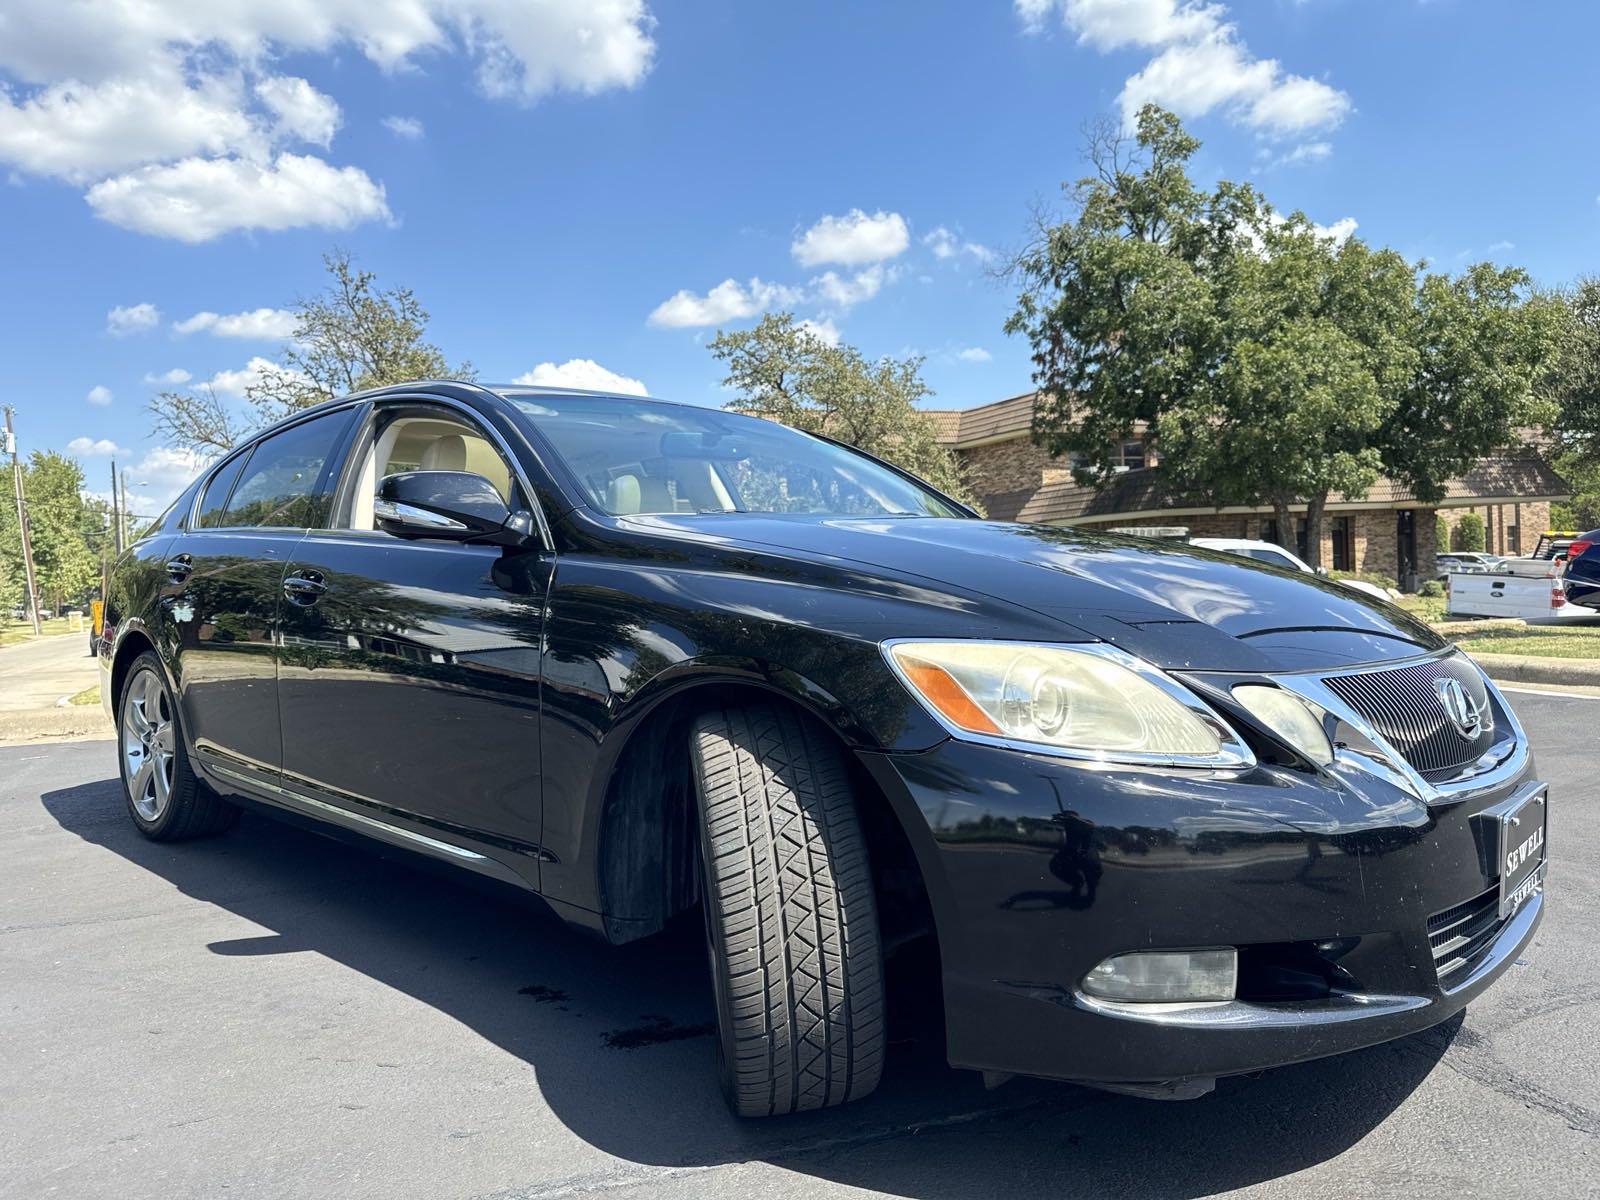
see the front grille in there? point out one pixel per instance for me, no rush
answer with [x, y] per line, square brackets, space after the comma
[1404, 706]
[1462, 935]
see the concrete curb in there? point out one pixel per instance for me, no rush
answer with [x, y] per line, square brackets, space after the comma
[50, 724]
[1579, 672]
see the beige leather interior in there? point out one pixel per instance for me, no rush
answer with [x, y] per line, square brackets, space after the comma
[426, 444]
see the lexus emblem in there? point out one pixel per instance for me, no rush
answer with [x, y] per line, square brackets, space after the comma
[1464, 712]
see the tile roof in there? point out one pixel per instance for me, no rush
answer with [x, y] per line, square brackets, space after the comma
[1517, 474]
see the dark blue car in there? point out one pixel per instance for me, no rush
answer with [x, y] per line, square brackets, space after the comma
[1583, 570]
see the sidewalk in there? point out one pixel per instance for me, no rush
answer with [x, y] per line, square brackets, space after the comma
[36, 677]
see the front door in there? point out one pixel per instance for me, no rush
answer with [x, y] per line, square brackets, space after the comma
[409, 670]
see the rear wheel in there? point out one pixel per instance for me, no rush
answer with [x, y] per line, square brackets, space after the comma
[166, 799]
[791, 921]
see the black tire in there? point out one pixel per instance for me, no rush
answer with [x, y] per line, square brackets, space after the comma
[791, 920]
[188, 809]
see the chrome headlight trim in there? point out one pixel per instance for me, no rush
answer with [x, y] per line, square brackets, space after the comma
[1234, 754]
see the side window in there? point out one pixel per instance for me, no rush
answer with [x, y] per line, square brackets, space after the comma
[435, 442]
[216, 493]
[278, 487]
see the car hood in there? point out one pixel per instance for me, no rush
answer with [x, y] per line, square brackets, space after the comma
[1174, 604]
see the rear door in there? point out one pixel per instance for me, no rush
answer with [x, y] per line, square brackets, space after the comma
[224, 590]
[409, 670]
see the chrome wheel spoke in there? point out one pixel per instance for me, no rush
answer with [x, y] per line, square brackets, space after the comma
[159, 777]
[141, 783]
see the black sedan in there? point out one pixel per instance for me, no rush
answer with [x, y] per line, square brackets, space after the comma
[1157, 814]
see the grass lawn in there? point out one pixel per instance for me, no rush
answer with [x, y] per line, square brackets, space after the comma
[23, 630]
[89, 695]
[1425, 608]
[1540, 641]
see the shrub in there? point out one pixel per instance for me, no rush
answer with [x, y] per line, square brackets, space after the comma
[1441, 532]
[1382, 581]
[1469, 532]
[1431, 588]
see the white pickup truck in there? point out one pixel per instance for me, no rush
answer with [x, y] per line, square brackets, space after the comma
[1530, 588]
[1533, 598]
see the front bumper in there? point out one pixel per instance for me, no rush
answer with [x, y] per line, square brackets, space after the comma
[1038, 869]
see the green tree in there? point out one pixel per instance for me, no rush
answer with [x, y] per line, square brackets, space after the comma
[1572, 383]
[1470, 533]
[1572, 388]
[1484, 341]
[353, 335]
[1441, 531]
[1271, 363]
[786, 373]
[68, 533]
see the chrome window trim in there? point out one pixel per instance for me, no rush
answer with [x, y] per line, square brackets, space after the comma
[1490, 772]
[1235, 754]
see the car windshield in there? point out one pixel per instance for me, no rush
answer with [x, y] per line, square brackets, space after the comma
[638, 457]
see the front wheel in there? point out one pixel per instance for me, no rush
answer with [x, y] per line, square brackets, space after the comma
[791, 920]
[166, 799]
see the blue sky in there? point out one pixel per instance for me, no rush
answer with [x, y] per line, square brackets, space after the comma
[550, 175]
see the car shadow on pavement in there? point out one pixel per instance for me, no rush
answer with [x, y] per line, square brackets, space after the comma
[618, 1038]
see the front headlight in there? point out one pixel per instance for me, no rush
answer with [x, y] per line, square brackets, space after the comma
[1087, 701]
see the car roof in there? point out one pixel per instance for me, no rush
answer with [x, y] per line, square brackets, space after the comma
[1216, 543]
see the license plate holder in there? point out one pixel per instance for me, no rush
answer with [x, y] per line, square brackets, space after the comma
[1521, 850]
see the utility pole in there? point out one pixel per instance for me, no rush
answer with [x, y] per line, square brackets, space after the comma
[116, 510]
[22, 524]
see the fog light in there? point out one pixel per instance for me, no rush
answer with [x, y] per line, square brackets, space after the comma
[1166, 975]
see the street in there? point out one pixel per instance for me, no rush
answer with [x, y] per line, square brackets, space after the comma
[39, 672]
[273, 1013]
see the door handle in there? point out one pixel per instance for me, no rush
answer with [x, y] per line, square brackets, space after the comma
[304, 588]
[179, 567]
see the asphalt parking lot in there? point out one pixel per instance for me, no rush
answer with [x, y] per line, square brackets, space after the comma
[272, 1013]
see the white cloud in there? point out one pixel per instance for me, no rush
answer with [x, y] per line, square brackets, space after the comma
[582, 373]
[80, 132]
[846, 292]
[1305, 152]
[105, 92]
[299, 110]
[261, 323]
[824, 330]
[1338, 231]
[946, 244]
[852, 239]
[99, 395]
[728, 301]
[133, 318]
[1501, 247]
[1110, 24]
[1202, 65]
[974, 354]
[87, 447]
[236, 382]
[176, 375]
[408, 128]
[155, 480]
[198, 199]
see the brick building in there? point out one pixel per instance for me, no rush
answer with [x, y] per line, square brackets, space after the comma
[1386, 532]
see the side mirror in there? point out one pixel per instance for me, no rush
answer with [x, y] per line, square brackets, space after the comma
[455, 506]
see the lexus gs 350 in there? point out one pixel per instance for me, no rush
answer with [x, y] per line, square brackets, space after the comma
[1159, 814]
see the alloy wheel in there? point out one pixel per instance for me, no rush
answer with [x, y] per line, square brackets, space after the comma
[147, 744]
